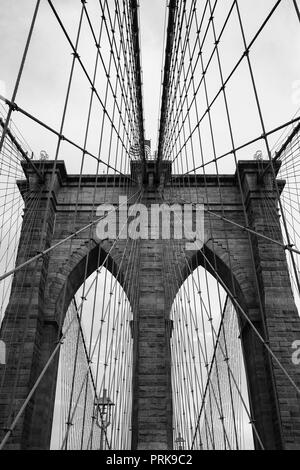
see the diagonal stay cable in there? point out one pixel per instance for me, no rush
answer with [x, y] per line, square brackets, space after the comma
[240, 147]
[59, 135]
[20, 72]
[240, 308]
[61, 242]
[48, 363]
[76, 55]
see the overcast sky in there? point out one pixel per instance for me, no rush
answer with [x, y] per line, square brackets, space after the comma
[275, 61]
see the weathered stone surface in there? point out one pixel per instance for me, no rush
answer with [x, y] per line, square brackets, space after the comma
[246, 264]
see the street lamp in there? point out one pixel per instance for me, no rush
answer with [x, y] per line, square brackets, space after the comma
[104, 408]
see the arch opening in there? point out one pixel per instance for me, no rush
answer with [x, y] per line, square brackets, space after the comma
[210, 395]
[93, 397]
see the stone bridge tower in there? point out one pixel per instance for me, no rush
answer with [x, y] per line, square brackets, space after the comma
[274, 403]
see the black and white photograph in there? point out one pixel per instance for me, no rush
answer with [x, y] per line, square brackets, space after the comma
[149, 228]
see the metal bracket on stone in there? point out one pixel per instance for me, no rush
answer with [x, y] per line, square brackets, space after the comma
[132, 328]
[170, 326]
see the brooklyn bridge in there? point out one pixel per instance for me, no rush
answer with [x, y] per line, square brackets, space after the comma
[149, 225]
